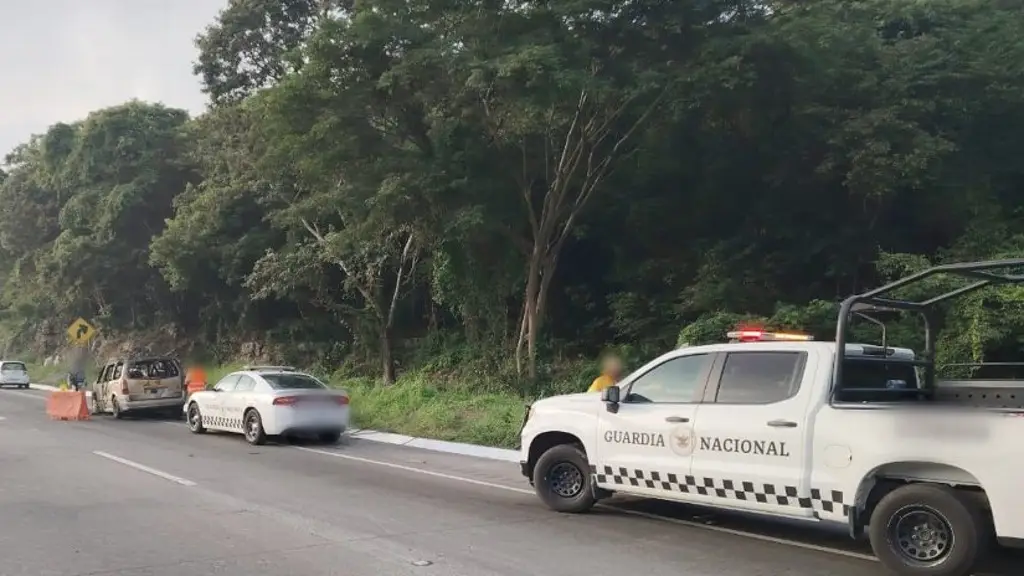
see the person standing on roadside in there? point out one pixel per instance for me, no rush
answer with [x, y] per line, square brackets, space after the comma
[76, 373]
[195, 381]
[611, 373]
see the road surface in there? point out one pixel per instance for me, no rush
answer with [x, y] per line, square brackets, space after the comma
[147, 498]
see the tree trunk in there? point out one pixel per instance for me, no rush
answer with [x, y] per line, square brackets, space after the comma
[529, 329]
[533, 329]
[386, 355]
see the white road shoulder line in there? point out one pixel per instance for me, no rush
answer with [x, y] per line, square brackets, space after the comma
[415, 470]
[24, 394]
[751, 535]
[144, 468]
[687, 523]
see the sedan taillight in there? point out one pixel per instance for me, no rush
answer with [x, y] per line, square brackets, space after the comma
[293, 400]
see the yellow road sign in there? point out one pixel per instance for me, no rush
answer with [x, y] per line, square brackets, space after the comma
[81, 331]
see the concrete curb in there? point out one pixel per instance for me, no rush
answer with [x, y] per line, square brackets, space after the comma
[472, 450]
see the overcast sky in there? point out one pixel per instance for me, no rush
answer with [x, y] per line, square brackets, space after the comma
[61, 59]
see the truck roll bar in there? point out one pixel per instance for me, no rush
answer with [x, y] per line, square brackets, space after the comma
[882, 299]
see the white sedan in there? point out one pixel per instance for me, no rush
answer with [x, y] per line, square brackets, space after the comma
[262, 401]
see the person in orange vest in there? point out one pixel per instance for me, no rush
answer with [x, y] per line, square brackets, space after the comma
[611, 373]
[195, 381]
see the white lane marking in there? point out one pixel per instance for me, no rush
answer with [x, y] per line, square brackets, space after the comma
[144, 468]
[687, 523]
[25, 394]
[416, 470]
[751, 535]
[3, 417]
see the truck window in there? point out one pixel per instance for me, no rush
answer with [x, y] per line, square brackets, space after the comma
[866, 380]
[759, 377]
[678, 380]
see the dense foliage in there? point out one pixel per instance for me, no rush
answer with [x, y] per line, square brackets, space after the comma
[382, 181]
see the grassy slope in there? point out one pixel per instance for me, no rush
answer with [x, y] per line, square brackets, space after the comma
[411, 406]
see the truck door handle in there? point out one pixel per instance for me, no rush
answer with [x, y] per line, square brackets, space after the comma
[677, 419]
[782, 424]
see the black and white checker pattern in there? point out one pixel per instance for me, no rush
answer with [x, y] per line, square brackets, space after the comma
[222, 422]
[829, 502]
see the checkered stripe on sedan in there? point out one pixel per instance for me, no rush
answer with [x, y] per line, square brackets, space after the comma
[825, 501]
[221, 422]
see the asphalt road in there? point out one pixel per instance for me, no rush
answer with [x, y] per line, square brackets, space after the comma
[147, 498]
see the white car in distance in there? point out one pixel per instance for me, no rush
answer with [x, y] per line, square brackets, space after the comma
[263, 401]
[13, 373]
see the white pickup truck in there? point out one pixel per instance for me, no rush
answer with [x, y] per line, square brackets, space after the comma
[773, 424]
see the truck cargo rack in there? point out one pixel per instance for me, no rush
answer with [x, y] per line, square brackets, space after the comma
[884, 299]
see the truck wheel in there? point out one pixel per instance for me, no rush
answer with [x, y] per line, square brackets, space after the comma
[928, 530]
[561, 479]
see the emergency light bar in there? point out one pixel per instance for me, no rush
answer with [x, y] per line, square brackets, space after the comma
[762, 336]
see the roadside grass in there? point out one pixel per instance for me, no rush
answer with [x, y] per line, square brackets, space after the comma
[53, 375]
[463, 403]
[412, 406]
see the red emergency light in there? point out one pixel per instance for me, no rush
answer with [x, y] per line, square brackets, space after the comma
[758, 335]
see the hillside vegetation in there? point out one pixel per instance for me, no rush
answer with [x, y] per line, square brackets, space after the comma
[453, 205]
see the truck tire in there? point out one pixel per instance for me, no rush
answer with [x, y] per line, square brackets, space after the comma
[928, 530]
[561, 479]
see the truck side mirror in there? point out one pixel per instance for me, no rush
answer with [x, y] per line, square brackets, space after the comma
[610, 397]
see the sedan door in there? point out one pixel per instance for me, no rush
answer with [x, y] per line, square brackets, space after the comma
[213, 405]
[237, 401]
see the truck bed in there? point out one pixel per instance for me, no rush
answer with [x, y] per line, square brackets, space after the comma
[1003, 394]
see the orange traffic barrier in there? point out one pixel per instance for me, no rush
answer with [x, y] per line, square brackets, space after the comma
[67, 405]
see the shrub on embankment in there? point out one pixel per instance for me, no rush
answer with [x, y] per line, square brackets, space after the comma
[466, 404]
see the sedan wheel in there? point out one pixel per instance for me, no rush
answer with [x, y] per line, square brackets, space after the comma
[195, 419]
[254, 433]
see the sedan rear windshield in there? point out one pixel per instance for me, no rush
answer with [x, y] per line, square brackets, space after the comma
[292, 382]
[13, 367]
